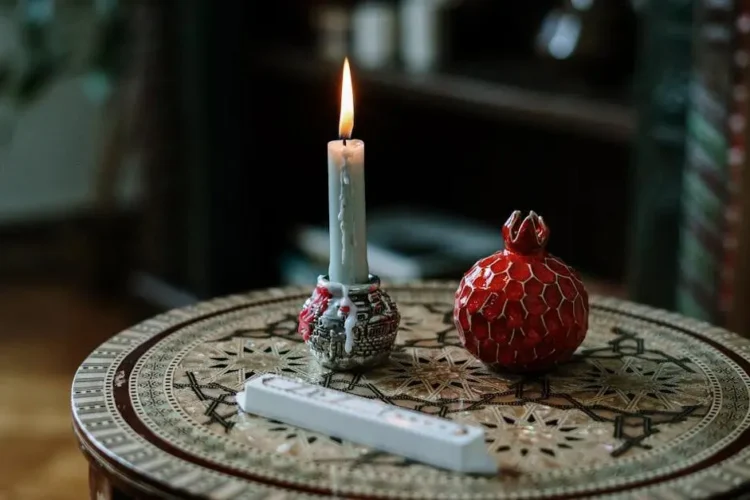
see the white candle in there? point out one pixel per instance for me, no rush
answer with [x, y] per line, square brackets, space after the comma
[346, 197]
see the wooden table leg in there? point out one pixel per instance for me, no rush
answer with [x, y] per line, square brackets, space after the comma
[101, 488]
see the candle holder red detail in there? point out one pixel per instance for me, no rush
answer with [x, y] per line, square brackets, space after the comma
[322, 324]
[522, 309]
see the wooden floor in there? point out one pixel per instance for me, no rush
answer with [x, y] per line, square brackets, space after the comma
[45, 332]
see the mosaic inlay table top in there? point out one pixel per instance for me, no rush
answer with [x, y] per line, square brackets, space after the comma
[653, 404]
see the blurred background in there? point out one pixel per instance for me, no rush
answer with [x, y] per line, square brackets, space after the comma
[155, 153]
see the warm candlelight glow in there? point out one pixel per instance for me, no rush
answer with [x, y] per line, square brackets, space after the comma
[346, 119]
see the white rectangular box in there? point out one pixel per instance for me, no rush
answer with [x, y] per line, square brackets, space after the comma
[435, 441]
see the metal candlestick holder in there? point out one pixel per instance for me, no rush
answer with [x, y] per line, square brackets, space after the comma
[349, 327]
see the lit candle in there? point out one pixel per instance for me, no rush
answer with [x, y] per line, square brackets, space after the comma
[346, 197]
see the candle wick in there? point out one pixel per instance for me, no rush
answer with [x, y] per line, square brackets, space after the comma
[344, 139]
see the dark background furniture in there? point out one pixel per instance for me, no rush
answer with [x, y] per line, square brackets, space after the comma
[493, 130]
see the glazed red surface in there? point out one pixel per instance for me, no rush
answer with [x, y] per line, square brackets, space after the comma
[312, 308]
[521, 308]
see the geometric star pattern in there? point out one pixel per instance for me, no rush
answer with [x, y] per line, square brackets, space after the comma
[608, 402]
[546, 436]
[632, 384]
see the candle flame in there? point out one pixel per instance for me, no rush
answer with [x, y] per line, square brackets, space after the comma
[346, 118]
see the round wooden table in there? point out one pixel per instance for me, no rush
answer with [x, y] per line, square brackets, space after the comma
[654, 406]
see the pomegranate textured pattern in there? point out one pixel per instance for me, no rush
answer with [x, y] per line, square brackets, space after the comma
[522, 309]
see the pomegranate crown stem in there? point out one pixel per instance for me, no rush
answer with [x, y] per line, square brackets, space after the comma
[526, 236]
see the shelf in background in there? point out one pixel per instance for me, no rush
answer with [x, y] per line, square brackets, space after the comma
[574, 108]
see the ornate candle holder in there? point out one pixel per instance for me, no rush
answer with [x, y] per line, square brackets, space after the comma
[349, 327]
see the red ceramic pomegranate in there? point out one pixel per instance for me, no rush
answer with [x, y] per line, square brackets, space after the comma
[522, 309]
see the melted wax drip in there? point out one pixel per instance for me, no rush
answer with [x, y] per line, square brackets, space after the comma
[342, 206]
[346, 307]
[351, 318]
